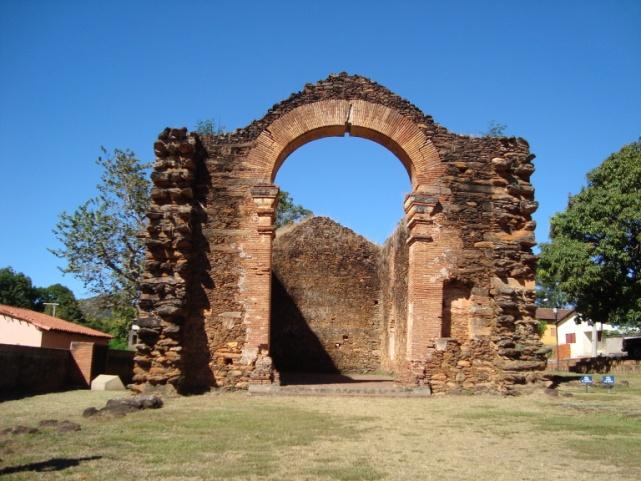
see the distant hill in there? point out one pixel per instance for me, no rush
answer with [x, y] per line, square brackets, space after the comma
[94, 308]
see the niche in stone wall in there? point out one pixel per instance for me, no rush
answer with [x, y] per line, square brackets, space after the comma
[457, 307]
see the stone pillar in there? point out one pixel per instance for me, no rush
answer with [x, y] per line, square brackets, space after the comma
[259, 282]
[163, 301]
[425, 285]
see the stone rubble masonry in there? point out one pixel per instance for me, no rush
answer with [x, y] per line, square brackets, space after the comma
[164, 298]
[326, 314]
[467, 322]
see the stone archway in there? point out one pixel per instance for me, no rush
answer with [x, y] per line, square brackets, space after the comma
[408, 142]
[206, 293]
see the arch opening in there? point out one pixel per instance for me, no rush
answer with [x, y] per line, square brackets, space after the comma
[335, 118]
[344, 131]
[332, 308]
[415, 320]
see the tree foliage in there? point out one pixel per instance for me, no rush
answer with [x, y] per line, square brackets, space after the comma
[288, 212]
[16, 289]
[549, 294]
[101, 242]
[595, 251]
[67, 308]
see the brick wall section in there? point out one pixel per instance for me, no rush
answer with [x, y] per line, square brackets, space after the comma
[469, 224]
[326, 311]
[32, 370]
[120, 363]
[83, 356]
[393, 272]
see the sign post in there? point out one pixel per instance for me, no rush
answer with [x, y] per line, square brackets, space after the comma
[587, 382]
[608, 381]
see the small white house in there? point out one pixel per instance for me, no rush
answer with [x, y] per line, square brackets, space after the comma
[576, 340]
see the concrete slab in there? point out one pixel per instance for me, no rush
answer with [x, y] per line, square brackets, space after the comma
[107, 382]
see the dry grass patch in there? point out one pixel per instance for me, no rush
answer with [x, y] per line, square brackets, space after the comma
[236, 436]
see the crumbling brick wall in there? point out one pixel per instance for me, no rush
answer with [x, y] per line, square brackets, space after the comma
[205, 308]
[326, 314]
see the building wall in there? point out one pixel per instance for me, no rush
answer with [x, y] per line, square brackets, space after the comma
[62, 340]
[583, 335]
[326, 312]
[28, 370]
[393, 271]
[18, 332]
[31, 369]
[549, 335]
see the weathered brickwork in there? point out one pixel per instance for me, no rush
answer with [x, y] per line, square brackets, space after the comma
[326, 315]
[467, 322]
[393, 272]
[164, 298]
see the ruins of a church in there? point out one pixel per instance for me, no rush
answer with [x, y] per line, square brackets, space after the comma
[447, 302]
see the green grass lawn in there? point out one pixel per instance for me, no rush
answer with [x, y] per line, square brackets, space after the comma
[586, 436]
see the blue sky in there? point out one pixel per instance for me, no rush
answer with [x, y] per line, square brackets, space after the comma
[565, 75]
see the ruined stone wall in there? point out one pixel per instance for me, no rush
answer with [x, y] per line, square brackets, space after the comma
[326, 312]
[164, 300]
[218, 333]
[470, 232]
[393, 271]
[488, 297]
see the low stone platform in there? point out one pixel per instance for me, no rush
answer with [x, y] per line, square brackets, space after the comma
[313, 384]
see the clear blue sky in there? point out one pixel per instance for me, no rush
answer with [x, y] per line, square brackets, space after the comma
[75, 75]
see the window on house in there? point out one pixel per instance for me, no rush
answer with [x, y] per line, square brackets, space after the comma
[599, 336]
[570, 338]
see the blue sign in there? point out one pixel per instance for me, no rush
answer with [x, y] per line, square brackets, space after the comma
[607, 379]
[586, 380]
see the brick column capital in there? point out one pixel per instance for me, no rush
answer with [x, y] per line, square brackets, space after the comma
[265, 198]
[419, 209]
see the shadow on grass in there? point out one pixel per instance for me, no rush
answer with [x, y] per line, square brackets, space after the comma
[54, 464]
[557, 380]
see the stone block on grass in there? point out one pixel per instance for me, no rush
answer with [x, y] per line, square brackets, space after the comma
[107, 382]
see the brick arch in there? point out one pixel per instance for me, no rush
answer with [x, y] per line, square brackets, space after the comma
[405, 136]
[336, 118]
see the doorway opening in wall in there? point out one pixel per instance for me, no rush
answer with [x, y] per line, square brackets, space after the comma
[339, 278]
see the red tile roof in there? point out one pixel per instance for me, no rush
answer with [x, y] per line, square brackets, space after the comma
[547, 313]
[49, 323]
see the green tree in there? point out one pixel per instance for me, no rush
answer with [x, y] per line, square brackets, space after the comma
[67, 308]
[16, 289]
[550, 295]
[287, 211]
[101, 239]
[595, 249]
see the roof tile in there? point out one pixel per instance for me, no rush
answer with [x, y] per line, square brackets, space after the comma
[49, 323]
[547, 313]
